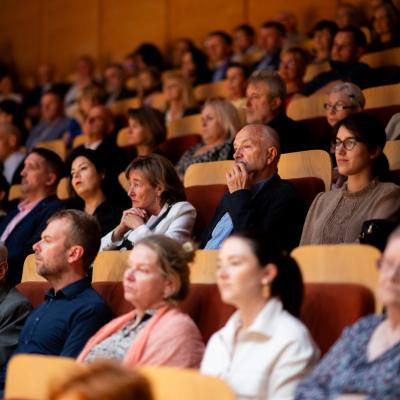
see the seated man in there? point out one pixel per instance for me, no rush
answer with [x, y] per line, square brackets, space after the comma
[14, 308]
[258, 198]
[219, 51]
[23, 225]
[72, 311]
[11, 154]
[349, 45]
[53, 123]
[265, 98]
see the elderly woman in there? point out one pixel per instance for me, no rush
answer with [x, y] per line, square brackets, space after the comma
[155, 332]
[344, 99]
[146, 130]
[366, 358]
[264, 350]
[158, 205]
[220, 121]
[93, 190]
[337, 216]
[179, 97]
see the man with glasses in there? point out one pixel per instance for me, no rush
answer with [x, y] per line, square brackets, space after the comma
[349, 45]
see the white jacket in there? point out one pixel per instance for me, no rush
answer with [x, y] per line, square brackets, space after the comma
[267, 360]
[178, 224]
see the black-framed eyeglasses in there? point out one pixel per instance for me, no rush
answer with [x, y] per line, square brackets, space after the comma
[348, 144]
[337, 107]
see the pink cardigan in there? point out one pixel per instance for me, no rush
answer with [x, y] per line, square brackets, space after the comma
[169, 338]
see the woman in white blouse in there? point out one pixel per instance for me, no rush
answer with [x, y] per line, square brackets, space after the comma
[158, 205]
[264, 350]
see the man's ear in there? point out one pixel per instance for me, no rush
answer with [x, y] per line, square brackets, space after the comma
[3, 269]
[75, 253]
[276, 104]
[272, 154]
[51, 179]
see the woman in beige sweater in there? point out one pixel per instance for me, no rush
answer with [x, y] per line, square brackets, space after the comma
[337, 216]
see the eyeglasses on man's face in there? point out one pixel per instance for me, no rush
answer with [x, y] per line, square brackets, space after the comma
[337, 107]
[348, 143]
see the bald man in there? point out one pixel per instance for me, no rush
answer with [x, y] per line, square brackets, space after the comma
[258, 198]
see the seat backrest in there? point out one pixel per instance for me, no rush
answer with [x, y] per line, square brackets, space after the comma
[122, 137]
[29, 273]
[301, 164]
[58, 146]
[392, 152]
[173, 148]
[329, 307]
[29, 375]
[205, 199]
[123, 181]
[320, 133]
[63, 189]
[306, 107]
[340, 263]
[308, 188]
[382, 58]
[313, 70]
[110, 266]
[381, 96]
[159, 101]
[79, 141]
[113, 295]
[169, 383]
[14, 192]
[208, 90]
[208, 173]
[204, 266]
[184, 126]
[120, 107]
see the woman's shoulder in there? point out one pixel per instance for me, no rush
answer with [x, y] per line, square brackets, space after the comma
[387, 187]
[290, 328]
[179, 322]
[182, 206]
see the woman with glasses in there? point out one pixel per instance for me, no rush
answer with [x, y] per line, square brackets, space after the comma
[344, 99]
[366, 358]
[155, 332]
[337, 216]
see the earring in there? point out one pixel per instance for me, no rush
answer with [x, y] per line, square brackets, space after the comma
[266, 291]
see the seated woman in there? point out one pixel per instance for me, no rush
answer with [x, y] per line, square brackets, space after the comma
[322, 40]
[155, 332]
[158, 205]
[194, 67]
[146, 130]
[386, 26]
[148, 85]
[337, 216]
[292, 68]
[264, 350]
[93, 190]
[179, 97]
[366, 358]
[343, 99]
[220, 121]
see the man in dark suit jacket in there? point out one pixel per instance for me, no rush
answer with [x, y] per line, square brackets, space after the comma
[258, 198]
[265, 96]
[23, 225]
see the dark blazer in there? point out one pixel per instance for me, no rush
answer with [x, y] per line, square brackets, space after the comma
[27, 232]
[275, 210]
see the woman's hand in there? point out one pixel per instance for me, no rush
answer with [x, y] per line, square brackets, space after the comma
[237, 178]
[131, 219]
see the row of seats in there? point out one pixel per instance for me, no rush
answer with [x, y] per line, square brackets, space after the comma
[318, 263]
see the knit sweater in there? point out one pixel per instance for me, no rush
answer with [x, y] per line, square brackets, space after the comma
[337, 216]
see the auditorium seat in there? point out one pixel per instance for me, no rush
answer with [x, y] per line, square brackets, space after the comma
[120, 107]
[110, 265]
[58, 146]
[327, 307]
[313, 70]
[210, 90]
[340, 263]
[392, 152]
[382, 96]
[184, 126]
[122, 137]
[382, 58]
[307, 107]
[173, 148]
[14, 192]
[29, 273]
[63, 189]
[79, 141]
[204, 266]
[208, 173]
[308, 188]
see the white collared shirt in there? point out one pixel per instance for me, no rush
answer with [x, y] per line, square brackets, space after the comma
[267, 360]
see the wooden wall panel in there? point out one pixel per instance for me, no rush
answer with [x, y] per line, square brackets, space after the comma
[69, 30]
[19, 32]
[195, 19]
[128, 23]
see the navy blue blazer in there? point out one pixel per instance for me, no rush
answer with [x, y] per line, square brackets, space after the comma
[276, 210]
[27, 232]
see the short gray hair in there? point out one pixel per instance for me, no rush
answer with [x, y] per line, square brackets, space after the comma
[274, 82]
[352, 91]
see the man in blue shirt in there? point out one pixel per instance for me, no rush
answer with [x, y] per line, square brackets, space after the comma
[72, 311]
[258, 199]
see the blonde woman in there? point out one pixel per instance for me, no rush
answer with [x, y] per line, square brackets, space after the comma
[220, 121]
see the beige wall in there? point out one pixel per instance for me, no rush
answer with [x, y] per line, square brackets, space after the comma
[58, 31]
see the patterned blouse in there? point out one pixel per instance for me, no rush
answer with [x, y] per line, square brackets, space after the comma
[117, 345]
[217, 153]
[347, 370]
